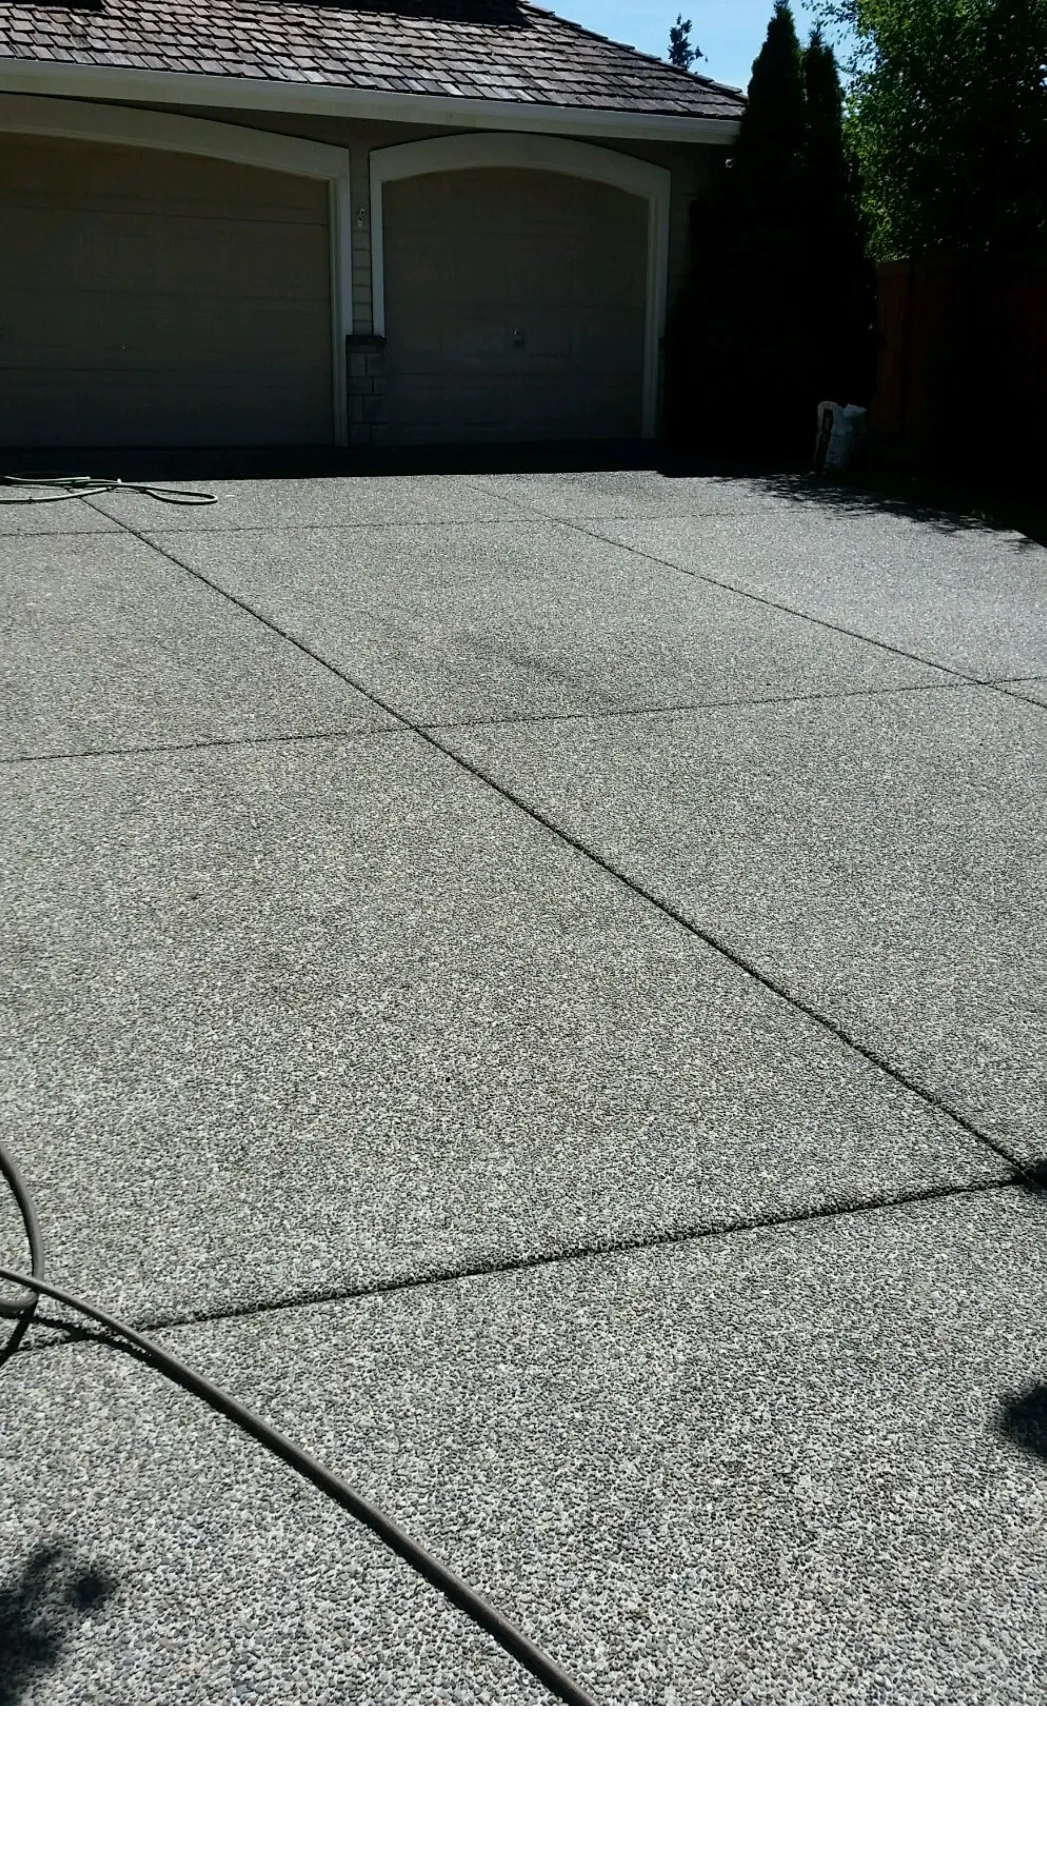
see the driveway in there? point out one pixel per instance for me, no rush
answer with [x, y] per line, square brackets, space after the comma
[538, 983]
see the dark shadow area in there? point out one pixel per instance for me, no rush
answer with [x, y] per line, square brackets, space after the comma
[216, 462]
[941, 504]
[1033, 1177]
[944, 505]
[947, 504]
[1022, 1419]
[39, 1610]
[12, 1331]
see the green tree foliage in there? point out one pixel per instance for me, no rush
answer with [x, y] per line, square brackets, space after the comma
[947, 114]
[682, 53]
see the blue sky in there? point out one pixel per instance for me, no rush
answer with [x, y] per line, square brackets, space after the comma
[729, 32]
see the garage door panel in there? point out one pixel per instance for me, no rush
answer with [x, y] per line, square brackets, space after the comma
[473, 257]
[151, 326]
[470, 344]
[549, 338]
[476, 342]
[457, 409]
[578, 252]
[179, 408]
[71, 252]
[183, 258]
[163, 332]
[105, 178]
[613, 336]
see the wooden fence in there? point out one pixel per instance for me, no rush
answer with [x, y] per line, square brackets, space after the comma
[962, 367]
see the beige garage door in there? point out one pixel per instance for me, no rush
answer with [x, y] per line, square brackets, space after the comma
[514, 307]
[155, 299]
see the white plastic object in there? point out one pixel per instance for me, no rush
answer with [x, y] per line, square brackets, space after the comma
[840, 431]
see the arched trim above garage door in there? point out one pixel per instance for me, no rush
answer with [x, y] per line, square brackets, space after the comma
[587, 162]
[226, 142]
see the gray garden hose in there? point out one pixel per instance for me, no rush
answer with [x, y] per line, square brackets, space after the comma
[21, 1306]
[79, 486]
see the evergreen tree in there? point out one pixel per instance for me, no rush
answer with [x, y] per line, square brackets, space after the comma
[738, 337]
[843, 279]
[778, 312]
[682, 53]
[769, 156]
[833, 180]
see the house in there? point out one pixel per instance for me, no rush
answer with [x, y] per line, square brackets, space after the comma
[298, 222]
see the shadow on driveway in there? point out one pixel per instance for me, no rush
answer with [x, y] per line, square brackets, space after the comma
[39, 1610]
[1022, 1419]
[944, 505]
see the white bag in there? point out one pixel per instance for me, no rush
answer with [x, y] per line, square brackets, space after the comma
[840, 431]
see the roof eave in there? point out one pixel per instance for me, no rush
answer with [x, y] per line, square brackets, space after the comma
[122, 84]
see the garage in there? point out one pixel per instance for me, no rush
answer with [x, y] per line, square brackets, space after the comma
[325, 227]
[159, 299]
[515, 307]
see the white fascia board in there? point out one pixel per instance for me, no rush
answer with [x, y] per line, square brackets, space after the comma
[52, 78]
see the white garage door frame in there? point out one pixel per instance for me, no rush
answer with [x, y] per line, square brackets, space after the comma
[226, 142]
[584, 160]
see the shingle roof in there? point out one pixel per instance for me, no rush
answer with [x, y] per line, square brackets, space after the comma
[507, 50]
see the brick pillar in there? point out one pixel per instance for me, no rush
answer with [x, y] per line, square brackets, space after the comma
[366, 371]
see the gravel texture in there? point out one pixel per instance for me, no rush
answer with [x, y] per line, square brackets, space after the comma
[266, 504]
[518, 619]
[970, 599]
[109, 647]
[1033, 689]
[287, 1021]
[594, 496]
[315, 1016]
[883, 858]
[46, 517]
[764, 1468]
[152, 1554]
